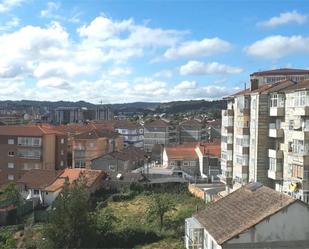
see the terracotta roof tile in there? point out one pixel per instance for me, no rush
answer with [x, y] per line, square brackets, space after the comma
[29, 130]
[281, 71]
[38, 178]
[241, 210]
[181, 152]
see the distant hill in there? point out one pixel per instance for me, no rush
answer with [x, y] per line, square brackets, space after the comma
[135, 107]
[191, 105]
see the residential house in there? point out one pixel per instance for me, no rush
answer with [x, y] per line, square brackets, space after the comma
[120, 161]
[45, 185]
[93, 144]
[26, 147]
[254, 216]
[182, 159]
[209, 159]
[193, 160]
[159, 132]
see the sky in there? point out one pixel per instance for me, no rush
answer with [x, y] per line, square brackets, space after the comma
[121, 51]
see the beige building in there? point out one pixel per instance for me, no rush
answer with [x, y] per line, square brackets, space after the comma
[268, 125]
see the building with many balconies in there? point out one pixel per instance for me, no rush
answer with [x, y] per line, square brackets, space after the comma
[265, 137]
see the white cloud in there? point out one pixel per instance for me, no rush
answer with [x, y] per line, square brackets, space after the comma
[58, 83]
[205, 47]
[7, 5]
[276, 47]
[49, 12]
[186, 85]
[164, 74]
[119, 71]
[105, 32]
[12, 23]
[200, 68]
[284, 18]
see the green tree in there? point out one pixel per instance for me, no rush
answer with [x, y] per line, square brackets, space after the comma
[71, 223]
[7, 240]
[160, 205]
[11, 194]
[105, 220]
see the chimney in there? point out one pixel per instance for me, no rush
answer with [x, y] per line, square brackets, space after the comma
[254, 84]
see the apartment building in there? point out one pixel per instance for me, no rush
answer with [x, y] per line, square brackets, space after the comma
[93, 144]
[192, 131]
[133, 134]
[159, 132]
[264, 137]
[272, 76]
[68, 115]
[26, 147]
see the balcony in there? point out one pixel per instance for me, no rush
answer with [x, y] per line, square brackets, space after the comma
[297, 158]
[228, 112]
[275, 175]
[226, 165]
[300, 135]
[276, 111]
[275, 153]
[275, 131]
[226, 146]
[243, 131]
[226, 178]
[301, 111]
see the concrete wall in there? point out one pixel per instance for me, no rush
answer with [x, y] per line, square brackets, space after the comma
[290, 224]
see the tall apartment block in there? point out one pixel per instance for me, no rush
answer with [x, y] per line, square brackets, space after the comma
[26, 147]
[67, 115]
[265, 133]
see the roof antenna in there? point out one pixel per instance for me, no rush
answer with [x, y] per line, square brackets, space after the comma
[245, 85]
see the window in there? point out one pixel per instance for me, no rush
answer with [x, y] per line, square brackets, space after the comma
[277, 100]
[301, 99]
[29, 141]
[272, 164]
[80, 164]
[10, 141]
[62, 140]
[61, 163]
[11, 153]
[11, 165]
[111, 167]
[29, 153]
[185, 163]
[291, 125]
[297, 171]
[36, 191]
[61, 152]
[10, 177]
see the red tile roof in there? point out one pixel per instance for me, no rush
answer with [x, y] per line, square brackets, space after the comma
[29, 130]
[38, 178]
[181, 152]
[281, 71]
[211, 149]
[91, 176]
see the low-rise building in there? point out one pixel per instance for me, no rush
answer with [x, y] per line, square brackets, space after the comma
[201, 160]
[45, 185]
[133, 134]
[253, 216]
[120, 161]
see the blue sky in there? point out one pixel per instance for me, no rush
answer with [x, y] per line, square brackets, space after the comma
[125, 51]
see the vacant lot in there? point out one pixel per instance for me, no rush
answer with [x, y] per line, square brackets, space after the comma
[132, 217]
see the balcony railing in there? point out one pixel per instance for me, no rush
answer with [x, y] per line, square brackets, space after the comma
[275, 131]
[276, 111]
[275, 153]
